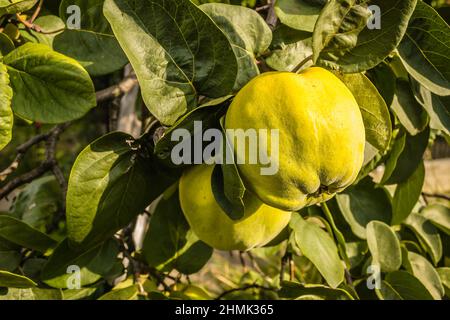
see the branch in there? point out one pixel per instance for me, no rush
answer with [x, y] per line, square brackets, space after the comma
[271, 16]
[436, 195]
[117, 90]
[49, 163]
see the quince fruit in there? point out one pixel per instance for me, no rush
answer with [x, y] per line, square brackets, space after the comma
[259, 225]
[321, 136]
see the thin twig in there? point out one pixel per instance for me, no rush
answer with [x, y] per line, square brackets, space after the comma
[37, 11]
[436, 195]
[271, 16]
[302, 63]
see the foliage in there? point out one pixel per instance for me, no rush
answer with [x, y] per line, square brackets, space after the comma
[65, 217]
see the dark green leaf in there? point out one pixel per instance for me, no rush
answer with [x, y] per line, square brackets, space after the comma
[436, 107]
[407, 194]
[110, 184]
[293, 290]
[38, 202]
[384, 246]
[9, 260]
[427, 234]
[425, 272]
[377, 121]
[48, 86]
[20, 233]
[408, 111]
[207, 114]
[298, 14]
[248, 33]
[177, 51]
[12, 280]
[342, 39]
[384, 80]
[6, 115]
[93, 264]
[425, 49]
[439, 215]
[97, 49]
[170, 243]
[408, 286]
[6, 44]
[319, 247]
[363, 203]
[404, 163]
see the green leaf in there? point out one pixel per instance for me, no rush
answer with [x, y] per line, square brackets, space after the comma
[427, 234]
[78, 294]
[48, 86]
[425, 49]
[444, 275]
[405, 157]
[97, 49]
[425, 272]
[32, 268]
[110, 184]
[290, 55]
[14, 6]
[319, 247]
[52, 26]
[297, 14]
[9, 260]
[208, 114]
[293, 290]
[439, 215]
[356, 252]
[408, 286]
[248, 33]
[12, 280]
[407, 194]
[436, 107]
[342, 39]
[31, 294]
[227, 185]
[6, 115]
[408, 111]
[129, 293]
[384, 246]
[384, 80]
[177, 51]
[93, 264]
[6, 44]
[169, 243]
[377, 121]
[387, 292]
[38, 202]
[20, 233]
[363, 203]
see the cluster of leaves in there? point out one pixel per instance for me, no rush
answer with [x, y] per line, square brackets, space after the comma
[190, 58]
